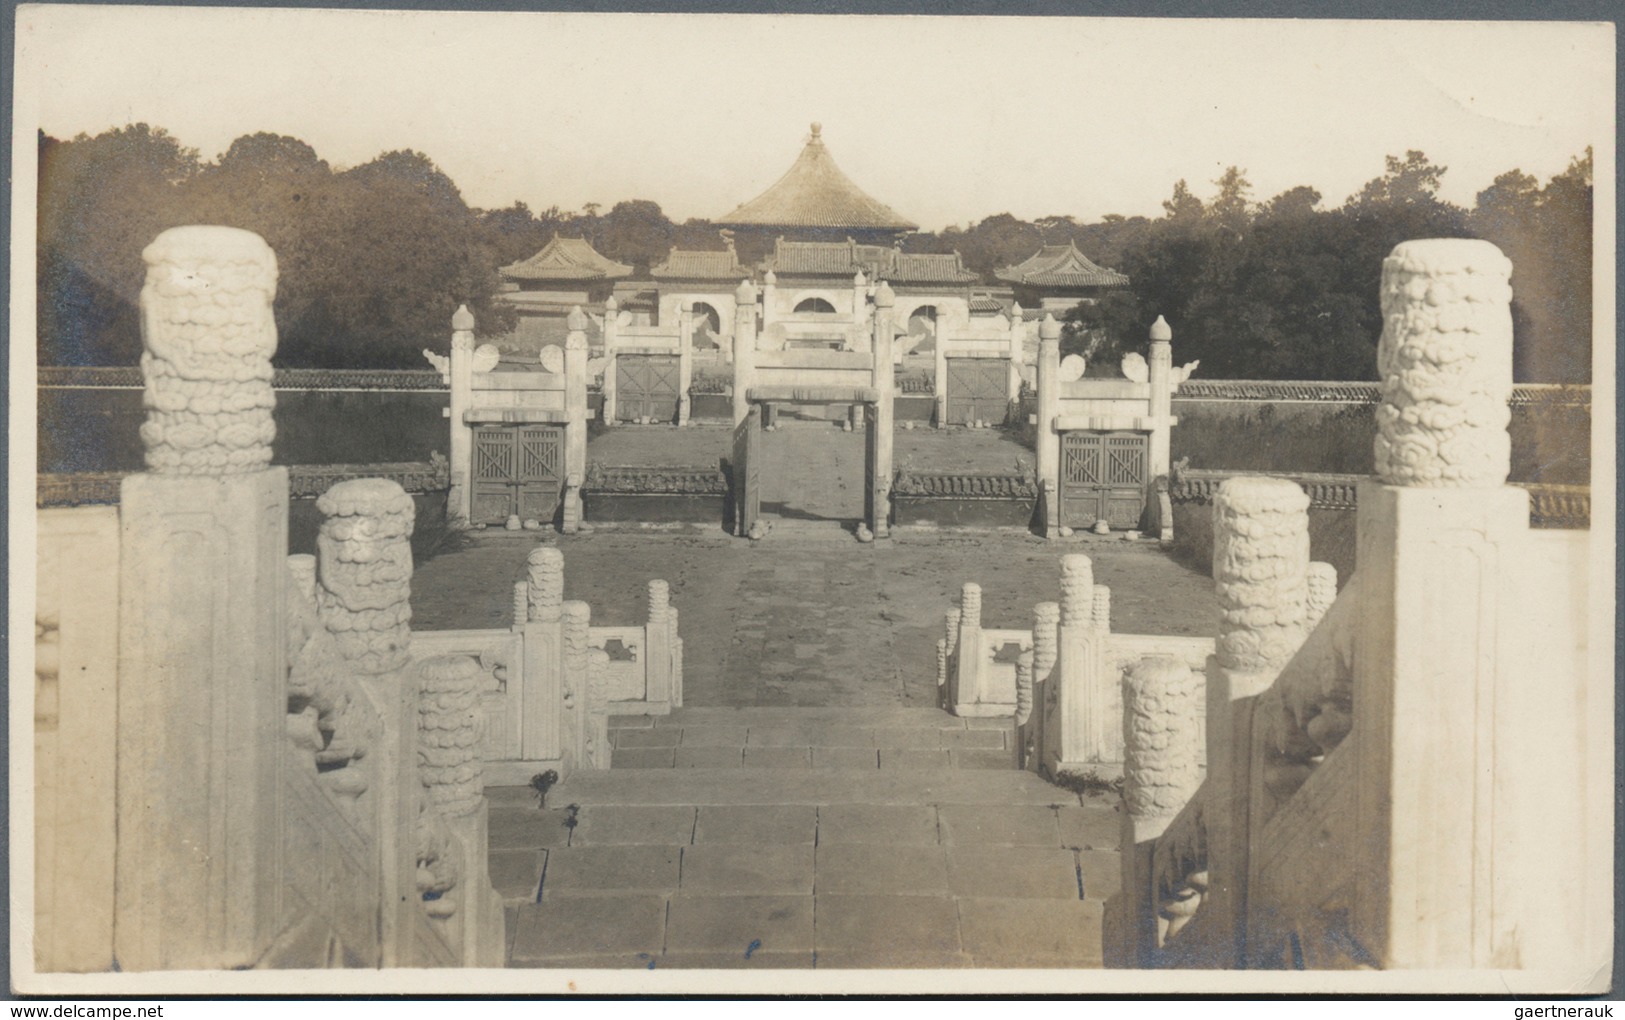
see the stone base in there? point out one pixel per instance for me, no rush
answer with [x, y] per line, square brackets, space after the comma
[639, 708]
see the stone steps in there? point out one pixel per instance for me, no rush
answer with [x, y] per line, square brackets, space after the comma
[812, 738]
[827, 867]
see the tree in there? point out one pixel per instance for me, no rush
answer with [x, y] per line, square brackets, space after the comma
[102, 199]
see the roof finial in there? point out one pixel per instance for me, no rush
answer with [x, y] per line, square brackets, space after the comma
[816, 129]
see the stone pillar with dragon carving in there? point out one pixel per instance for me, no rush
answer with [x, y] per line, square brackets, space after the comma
[454, 817]
[1080, 707]
[1161, 773]
[1260, 569]
[201, 624]
[1030, 731]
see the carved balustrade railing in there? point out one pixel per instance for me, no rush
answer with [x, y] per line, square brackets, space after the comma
[1382, 788]
[550, 681]
[330, 810]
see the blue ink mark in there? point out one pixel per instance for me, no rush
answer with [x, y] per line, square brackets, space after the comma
[755, 944]
[646, 956]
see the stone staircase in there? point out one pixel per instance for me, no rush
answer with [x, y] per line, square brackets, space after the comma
[805, 837]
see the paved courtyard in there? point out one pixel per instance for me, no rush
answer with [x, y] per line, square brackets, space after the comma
[808, 616]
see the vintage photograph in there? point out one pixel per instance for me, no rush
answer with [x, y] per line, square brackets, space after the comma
[774, 503]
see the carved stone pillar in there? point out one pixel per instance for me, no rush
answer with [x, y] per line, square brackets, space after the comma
[363, 598]
[1260, 566]
[1046, 634]
[1161, 772]
[460, 456]
[541, 728]
[612, 332]
[658, 646]
[964, 677]
[575, 408]
[880, 429]
[449, 724]
[1160, 372]
[202, 702]
[685, 359]
[744, 348]
[575, 620]
[1048, 441]
[1320, 594]
[1079, 734]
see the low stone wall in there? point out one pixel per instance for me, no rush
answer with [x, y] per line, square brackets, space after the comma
[963, 500]
[621, 494]
[305, 481]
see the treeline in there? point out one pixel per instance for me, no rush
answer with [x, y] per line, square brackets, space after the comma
[374, 259]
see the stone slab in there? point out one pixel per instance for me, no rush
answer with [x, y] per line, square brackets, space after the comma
[874, 924]
[730, 924]
[603, 824]
[631, 722]
[881, 868]
[516, 875]
[807, 734]
[1024, 872]
[611, 869]
[775, 757]
[643, 757]
[845, 758]
[757, 960]
[592, 961]
[510, 797]
[765, 823]
[890, 824]
[1005, 722]
[897, 736]
[1016, 933]
[873, 715]
[933, 758]
[982, 758]
[805, 786]
[566, 926]
[998, 824]
[528, 828]
[709, 757]
[891, 959]
[713, 736]
[1102, 873]
[973, 738]
[645, 738]
[748, 869]
[1091, 827]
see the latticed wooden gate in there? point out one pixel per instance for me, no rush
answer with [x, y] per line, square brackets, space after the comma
[747, 471]
[978, 390]
[1103, 478]
[646, 387]
[517, 470]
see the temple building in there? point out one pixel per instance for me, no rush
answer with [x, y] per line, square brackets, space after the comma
[1057, 278]
[567, 272]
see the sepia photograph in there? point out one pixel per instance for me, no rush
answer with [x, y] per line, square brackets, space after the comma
[644, 504]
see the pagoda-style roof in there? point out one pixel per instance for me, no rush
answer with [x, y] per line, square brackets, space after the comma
[1061, 265]
[700, 265]
[815, 193]
[908, 267]
[566, 258]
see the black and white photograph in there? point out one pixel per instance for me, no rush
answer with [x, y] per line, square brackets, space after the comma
[804, 503]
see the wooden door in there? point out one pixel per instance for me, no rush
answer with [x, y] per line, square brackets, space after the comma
[646, 387]
[1103, 478]
[517, 470]
[978, 390]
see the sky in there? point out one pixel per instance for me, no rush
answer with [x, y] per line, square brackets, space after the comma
[945, 119]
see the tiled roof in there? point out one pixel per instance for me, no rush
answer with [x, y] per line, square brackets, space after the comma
[1061, 265]
[826, 258]
[700, 265]
[981, 304]
[815, 193]
[913, 268]
[566, 258]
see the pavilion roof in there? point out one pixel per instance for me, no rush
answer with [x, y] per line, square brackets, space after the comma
[826, 258]
[1061, 265]
[815, 193]
[700, 265]
[566, 258]
[910, 267]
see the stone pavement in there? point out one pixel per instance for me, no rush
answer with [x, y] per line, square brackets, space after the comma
[806, 616]
[864, 838]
